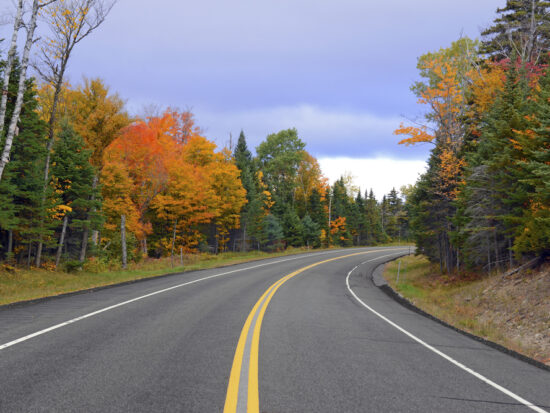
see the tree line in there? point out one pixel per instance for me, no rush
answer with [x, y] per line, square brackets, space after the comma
[484, 201]
[82, 180]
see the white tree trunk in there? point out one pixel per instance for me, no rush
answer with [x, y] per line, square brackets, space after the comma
[21, 88]
[9, 63]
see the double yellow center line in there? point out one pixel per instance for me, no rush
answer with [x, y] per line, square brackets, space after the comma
[242, 390]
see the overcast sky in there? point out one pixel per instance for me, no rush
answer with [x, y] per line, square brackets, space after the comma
[338, 71]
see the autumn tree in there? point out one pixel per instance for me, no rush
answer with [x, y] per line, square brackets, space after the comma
[69, 22]
[98, 117]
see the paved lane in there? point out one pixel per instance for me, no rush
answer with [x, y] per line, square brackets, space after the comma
[319, 349]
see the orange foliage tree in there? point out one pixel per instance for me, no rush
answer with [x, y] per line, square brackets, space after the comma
[171, 178]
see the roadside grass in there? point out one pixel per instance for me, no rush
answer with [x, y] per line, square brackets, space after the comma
[27, 284]
[463, 303]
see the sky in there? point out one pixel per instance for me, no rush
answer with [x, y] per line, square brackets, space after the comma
[337, 71]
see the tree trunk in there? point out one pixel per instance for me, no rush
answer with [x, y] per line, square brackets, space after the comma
[244, 238]
[84, 245]
[510, 258]
[49, 146]
[489, 254]
[9, 63]
[95, 181]
[20, 90]
[10, 245]
[95, 237]
[123, 241]
[61, 241]
[29, 255]
[173, 242]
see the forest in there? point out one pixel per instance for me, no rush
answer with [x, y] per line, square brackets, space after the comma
[81, 179]
[484, 202]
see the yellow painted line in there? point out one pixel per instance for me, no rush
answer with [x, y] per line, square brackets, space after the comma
[253, 402]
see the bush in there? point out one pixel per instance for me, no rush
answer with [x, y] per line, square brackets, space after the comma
[72, 266]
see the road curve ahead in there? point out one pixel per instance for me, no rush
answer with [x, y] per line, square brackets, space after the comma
[308, 333]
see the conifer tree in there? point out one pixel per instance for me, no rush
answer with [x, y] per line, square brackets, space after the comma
[311, 232]
[522, 29]
[494, 193]
[73, 176]
[20, 208]
[534, 236]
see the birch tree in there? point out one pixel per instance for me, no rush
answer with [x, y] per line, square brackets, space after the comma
[9, 62]
[69, 21]
[31, 27]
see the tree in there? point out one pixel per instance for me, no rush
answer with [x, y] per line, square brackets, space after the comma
[311, 232]
[21, 186]
[495, 195]
[278, 158]
[98, 118]
[253, 209]
[230, 196]
[292, 228]
[73, 177]
[373, 217]
[9, 62]
[31, 27]
[70, 22]
[308, 178]
[272, 237]
[522, 29]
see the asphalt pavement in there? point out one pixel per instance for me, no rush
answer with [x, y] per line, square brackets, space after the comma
[307, 333]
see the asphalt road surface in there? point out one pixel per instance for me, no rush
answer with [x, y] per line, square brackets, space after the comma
[293, 334]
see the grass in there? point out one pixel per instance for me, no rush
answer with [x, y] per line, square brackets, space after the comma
[27, 284]
[462, 303]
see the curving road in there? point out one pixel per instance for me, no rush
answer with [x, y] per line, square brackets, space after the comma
[309, 333]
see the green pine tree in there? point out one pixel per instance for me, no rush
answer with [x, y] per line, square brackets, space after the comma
[22, 181]
[73, 177]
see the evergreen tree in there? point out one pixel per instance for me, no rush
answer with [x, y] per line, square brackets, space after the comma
[73, 177]
[373, 217]
[292, 228]
[272, 236]
[318, 213]
[22, 181]
[535, 219]
[311, 232]
[522, 27]
[494, 193]
[252, 211]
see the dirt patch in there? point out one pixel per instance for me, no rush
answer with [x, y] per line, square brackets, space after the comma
[520, 306]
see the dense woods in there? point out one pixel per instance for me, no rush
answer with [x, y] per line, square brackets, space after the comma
[81, 179]
[484, 201]
[84, 180]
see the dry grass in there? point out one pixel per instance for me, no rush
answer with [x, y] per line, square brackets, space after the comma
[19, 285]
[512, 312]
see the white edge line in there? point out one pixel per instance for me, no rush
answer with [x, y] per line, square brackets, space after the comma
[74, 320]
[440, 353]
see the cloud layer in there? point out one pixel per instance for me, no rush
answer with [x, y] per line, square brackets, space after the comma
[378, 174]
[327, 132]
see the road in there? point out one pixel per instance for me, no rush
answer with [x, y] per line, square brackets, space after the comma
[307, 333]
